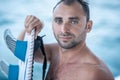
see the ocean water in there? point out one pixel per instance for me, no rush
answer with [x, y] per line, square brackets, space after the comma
[103, 40]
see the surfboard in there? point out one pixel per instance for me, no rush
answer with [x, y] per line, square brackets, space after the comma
[23, 50]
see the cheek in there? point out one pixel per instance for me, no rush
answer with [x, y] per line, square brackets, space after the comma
[81, 33]
[55, 30]
[77, 30]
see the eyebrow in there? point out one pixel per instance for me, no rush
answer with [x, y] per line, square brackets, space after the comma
[57, 18]
[70, 18]
[74, 18]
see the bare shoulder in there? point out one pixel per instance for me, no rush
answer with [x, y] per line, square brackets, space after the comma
[94, 72]
[51, 49]
[52, 45]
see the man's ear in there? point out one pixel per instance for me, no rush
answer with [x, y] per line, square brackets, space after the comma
[89, 25]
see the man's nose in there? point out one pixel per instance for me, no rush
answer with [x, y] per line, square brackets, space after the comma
[65, 27]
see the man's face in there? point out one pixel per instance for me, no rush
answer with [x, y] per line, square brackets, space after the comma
[69, 25]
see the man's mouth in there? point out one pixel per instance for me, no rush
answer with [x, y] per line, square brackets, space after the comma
[65, 38]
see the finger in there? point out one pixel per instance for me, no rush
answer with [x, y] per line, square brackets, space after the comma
[37, 32]
[30, 19]
[27, 20]
[30, 22]
[38, 28]
[35, 22]
[33, 25]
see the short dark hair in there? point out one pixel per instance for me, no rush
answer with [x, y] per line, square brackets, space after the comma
[82, 2]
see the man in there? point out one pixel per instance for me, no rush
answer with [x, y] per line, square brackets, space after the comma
[70, 58]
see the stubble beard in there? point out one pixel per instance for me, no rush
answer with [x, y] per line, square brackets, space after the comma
[68, 44]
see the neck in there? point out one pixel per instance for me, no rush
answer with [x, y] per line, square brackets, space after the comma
[75, 49]
[67, 54]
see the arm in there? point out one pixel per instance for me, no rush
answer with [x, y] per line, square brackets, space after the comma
[50, 50]
[31, 22]
[21, 36]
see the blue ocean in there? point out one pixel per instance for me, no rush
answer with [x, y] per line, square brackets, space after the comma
[103, 40]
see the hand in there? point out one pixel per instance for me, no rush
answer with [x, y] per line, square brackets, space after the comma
[32, 22]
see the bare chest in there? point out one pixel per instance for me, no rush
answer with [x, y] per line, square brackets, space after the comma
[68, 71]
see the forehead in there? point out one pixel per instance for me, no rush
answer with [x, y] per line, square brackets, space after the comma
[75, 9]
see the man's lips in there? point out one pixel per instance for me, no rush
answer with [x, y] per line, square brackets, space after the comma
[65, 38]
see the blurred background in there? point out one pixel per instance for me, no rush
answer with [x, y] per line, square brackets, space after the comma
[103, 40]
